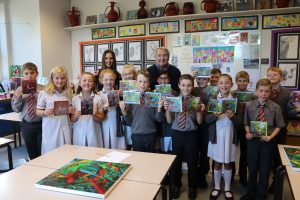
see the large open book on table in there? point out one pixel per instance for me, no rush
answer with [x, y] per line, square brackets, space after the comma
[293, 156]
[85, 177]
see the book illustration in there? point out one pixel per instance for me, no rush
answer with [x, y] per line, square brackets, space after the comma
[229, 104]
[221, 105]
[126, 85]
[152, 99]
[211, 91]
[244, 97]
[113, 98]
[164, 89]
[61, 108]
[202, 71]
[214, 105]
[258, 128]
[85, 177]
[174, 104]
[29, 86]
[293, 127]
[193, 103]
[293, 156]
[87, 106]
[132, 97]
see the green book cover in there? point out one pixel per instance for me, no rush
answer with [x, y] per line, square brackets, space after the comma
[164, 89]
[221, 105]
[193, 103]
[174, 104]
[258, 128]
[132, 97]
[244, 96]
[127, 85]
[293, 156]
[152, 99]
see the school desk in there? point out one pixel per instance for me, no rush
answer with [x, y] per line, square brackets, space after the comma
[14, 120]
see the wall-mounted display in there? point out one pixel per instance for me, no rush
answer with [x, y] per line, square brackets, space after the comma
[119, 50]
[164, 27]
[150, 47]
[89, 53]
[199, 25]
[281, 21]
[290, 74]
[89, 68]
[288, 47]
[135, 51]
[213, 54]
[103, 33]
[239, 23]
[132, 30]
[101, 47]
[131, 15]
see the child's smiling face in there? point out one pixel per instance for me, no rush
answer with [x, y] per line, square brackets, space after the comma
[185, 86]
[86, 82]
[224, 85]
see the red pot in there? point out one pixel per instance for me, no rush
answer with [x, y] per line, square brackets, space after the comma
[209, 5]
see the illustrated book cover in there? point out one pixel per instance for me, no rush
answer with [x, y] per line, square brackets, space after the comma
[61, 108]
[127, 85]
[29, 86]
[202, 71]
[132, 97]
[152, 99]
[85, 177]
[211, 91]
[164, 89]
[258, 128]
[221, 105]
[293, 156]
[113, 98]
[174, 104]
[193, 103]
[244, 97]
[87, 106]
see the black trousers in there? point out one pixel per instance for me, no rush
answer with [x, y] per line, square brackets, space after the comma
[184, 145]
[144, 142]
[32, 135]
[203, 162]
[259, 156]
[243, 154]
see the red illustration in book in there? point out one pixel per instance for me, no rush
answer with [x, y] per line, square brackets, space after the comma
[29, 86]
[61, 108]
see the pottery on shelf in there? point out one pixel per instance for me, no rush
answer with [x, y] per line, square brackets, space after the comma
[171, 9]
[209, 6]
[188, 8]
[142, 12]
[112, 15]
[282, 3]
[73, 16]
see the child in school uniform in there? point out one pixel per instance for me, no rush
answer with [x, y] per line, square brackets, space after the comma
[25, 104]
[223, 139]
[143, 119]
[185, 138]
[112, 131]
[86, 126]
[260, 150]
[214, 76]
[56, 129]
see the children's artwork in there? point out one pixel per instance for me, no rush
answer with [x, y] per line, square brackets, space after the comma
[225, 6]
[152, 99]
[214, 105]
[202, 71]
[293, 156]
[200, 25]
[281, 21]
[251, 63]
[61, 108]
[258, 128]
[195, 39]
[132, 30]
[29, 86]
[127, 85]
[239, 23]
[85, 177]
[174, 104]
[187, 39]
[213, 54]
[244, 37]
[211, 91]
[244, 5]
[92, 19]
[87, 106]
[103, 33]
[177, 40]
[221, 105]
[164, 27]
[244, 97]
[132, 97]
[113, 98]
[165, 90]
[293, 127]
[290, 74]
[15, 71]
[230, 104]
[131, 14]
[193, 103]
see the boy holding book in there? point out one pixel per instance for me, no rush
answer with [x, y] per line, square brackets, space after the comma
[260, 150]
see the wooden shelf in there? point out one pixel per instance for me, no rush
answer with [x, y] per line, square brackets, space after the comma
[193, 16]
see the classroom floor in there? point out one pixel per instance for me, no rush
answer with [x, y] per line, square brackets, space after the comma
[20, 156]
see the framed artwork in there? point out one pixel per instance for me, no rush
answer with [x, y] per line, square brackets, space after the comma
[131, 15]
[137, 66]
[281, 21]
[119, 50]
[263, 4]
[15, 71]
[200, 25]
[132, 30]
[244, 5]
[89, 53]
[225, 6]
[103, 33]
[89, 68]
[157, 12]
[135, 51]
[239, 23]
[92, 19]
[100, 50]
[120, 67]
[288, 48]
[150, 47]
[102, 18]
[164, 27]
[290, 74]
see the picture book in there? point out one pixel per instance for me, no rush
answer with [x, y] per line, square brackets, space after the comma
[87, 106]
[293, 127]
[244, 97]
[29, 86]
[211, 91]
[113, 98]
[164, 89]
[202, 71]
[85, 177]
[152, 99]
[193, 103]
[174, 104]
[221, 105]
[127, 85]
[258, 128]
[293, 156]
[61, 108]
[132, 97]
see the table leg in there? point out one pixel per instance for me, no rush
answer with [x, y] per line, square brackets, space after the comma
[15, 139]
[20, 139]
[9, 154]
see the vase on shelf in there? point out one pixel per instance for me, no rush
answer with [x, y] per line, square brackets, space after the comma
[112, 15]
[188, 8]
[73, 16]
[171, 9]
[209, 6]
[282, 3]
[142, 12]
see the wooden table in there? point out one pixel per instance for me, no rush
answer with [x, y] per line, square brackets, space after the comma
[19, 184]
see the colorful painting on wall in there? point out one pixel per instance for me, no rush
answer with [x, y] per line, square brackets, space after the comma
[164, 27]
[199, 25]
[213, 54]
[132, 30]
[15, 71]
[239, 23]
[281, 21]
[103, 33]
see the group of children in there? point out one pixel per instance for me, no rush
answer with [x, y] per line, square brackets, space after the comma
[193, 135]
